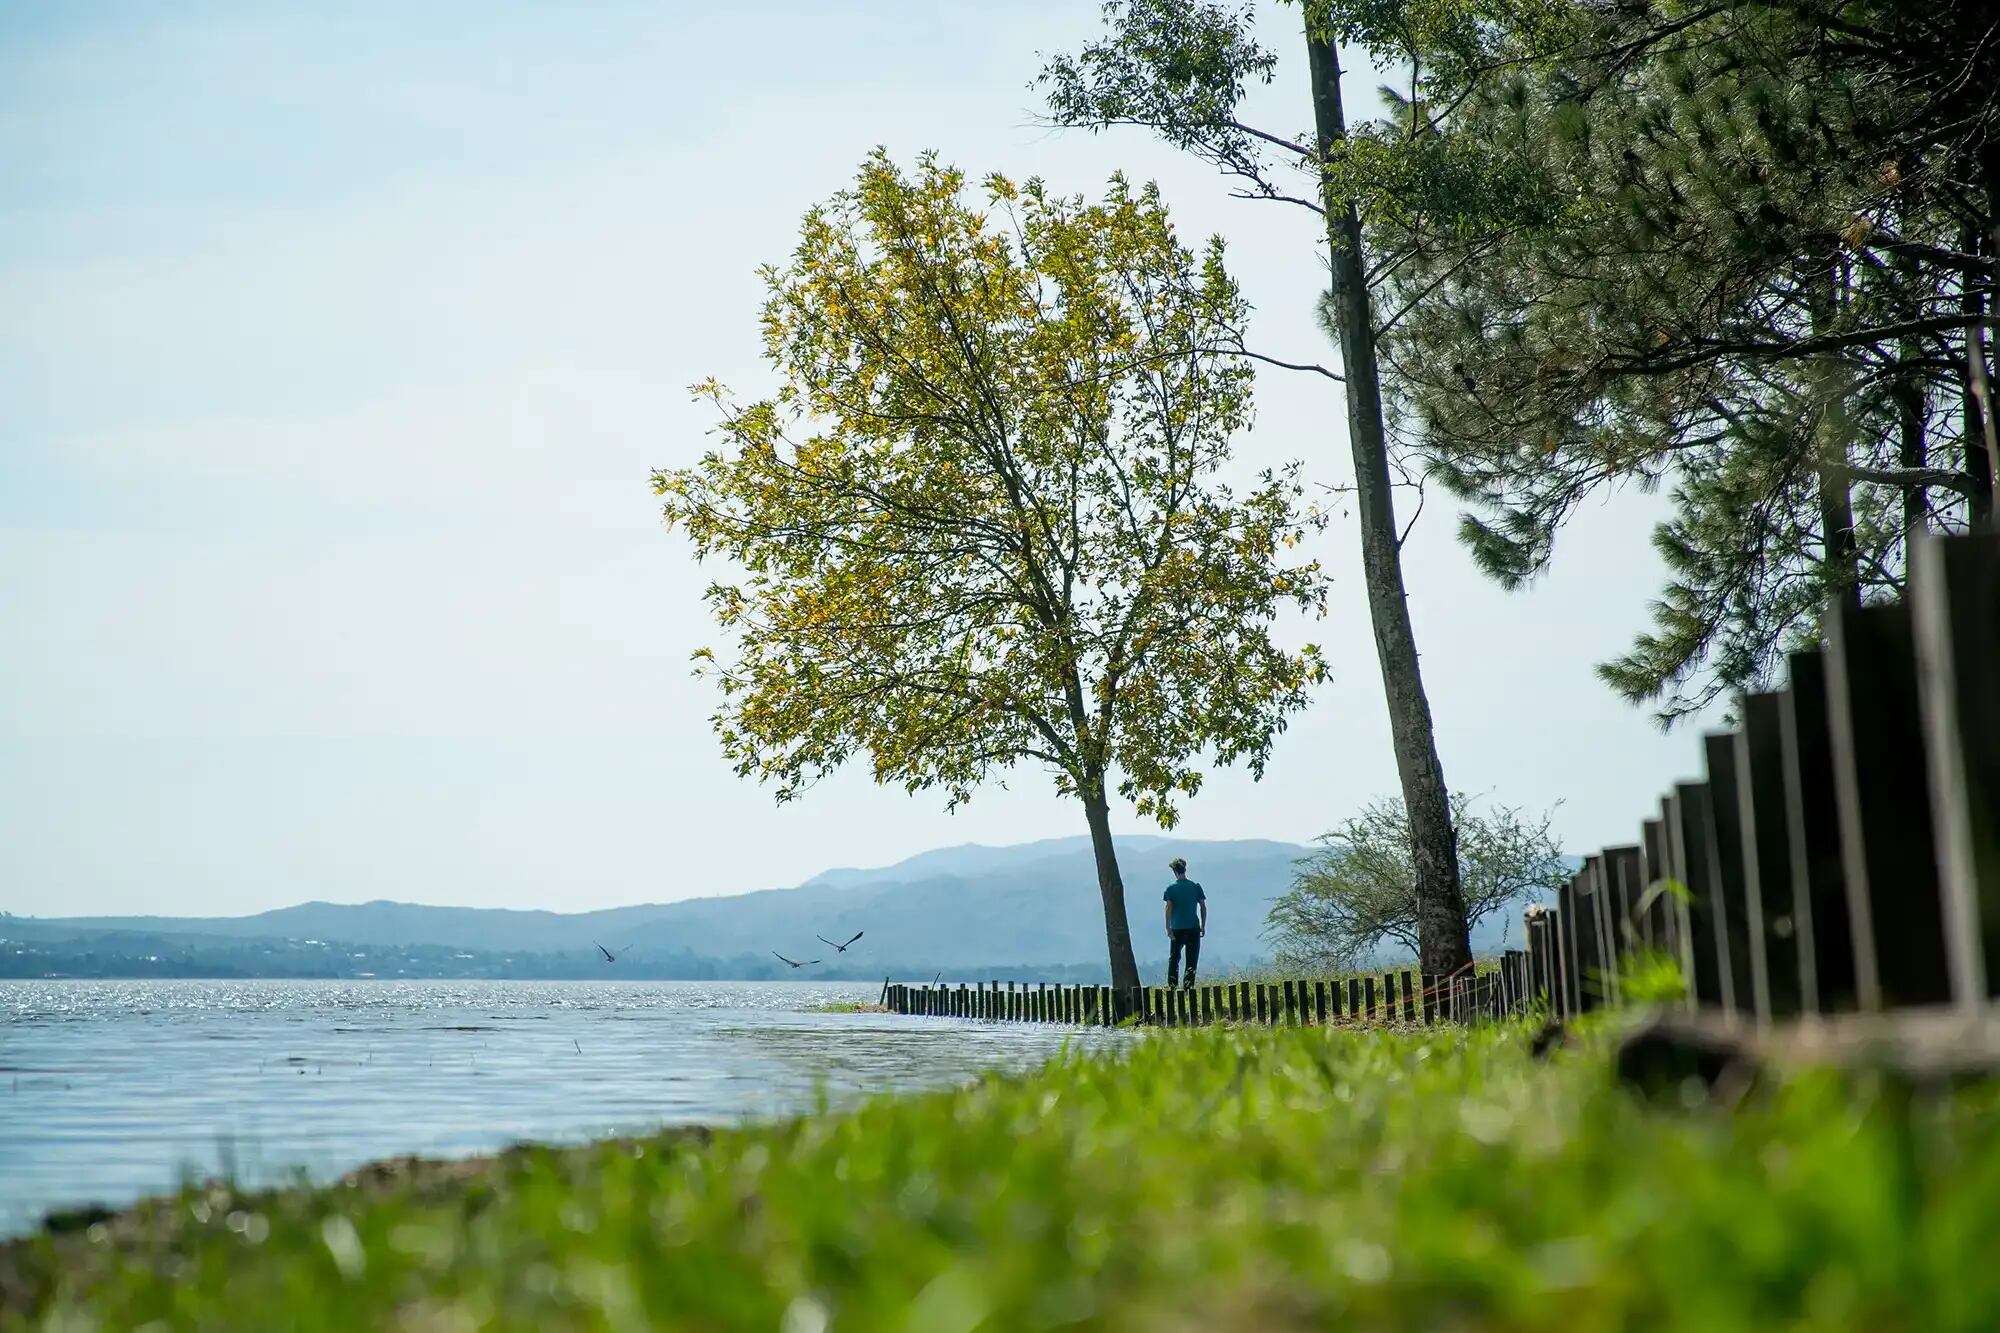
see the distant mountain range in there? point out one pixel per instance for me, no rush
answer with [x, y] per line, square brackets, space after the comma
[970, 911]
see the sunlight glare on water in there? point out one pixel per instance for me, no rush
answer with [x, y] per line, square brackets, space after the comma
[113, 1090]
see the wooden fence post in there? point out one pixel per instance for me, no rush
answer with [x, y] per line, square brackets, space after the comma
[1652, 873]
[1812, 824]
[1621, 874]
[1882, 781]
[1739, 930]
[1541, 957]
[1955, 600]
[1689, 838]
[1594, 933]
[1572, 961]
[1767, 854]
[1628, 870]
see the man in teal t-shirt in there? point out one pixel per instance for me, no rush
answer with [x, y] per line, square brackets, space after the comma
[1187, 922]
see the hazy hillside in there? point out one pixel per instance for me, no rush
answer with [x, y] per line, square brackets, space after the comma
[969, 907]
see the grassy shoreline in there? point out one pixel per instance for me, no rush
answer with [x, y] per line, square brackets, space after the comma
[1222, 1178]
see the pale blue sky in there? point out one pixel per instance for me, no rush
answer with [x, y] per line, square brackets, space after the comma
[336, 345]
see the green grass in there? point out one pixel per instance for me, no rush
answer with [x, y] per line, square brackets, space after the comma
[1216, 1179]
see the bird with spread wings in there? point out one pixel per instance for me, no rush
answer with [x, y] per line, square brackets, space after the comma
[840, 948]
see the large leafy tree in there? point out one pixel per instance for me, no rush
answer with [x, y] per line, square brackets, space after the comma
[1743, 249]
[979, 521]
[1181, 68]
[1355, 895]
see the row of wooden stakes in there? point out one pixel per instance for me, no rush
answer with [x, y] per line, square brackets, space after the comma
[1405, 997]
[1840, 852]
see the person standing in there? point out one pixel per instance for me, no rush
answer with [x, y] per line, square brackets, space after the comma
[1187, 922]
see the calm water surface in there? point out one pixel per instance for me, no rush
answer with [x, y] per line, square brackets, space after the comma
[113, 1090]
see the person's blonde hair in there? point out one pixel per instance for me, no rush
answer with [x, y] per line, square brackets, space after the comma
[1178, 865]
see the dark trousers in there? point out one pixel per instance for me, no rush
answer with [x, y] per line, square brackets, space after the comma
[1188, 938]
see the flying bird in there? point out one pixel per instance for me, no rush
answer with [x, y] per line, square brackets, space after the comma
[781, 958]
[609, 956]
[840, 948]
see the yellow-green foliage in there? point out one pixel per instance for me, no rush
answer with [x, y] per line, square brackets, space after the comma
[979, 521]
[1215, 1179]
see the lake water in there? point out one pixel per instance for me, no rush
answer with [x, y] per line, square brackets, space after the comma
[113, 1090]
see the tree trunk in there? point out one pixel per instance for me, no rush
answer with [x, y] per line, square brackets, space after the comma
[1836, 520]
[1980, 434]
[1912, 451]
[1441, 930]
[1831, 382]
[1117, 930]
[1836, 505]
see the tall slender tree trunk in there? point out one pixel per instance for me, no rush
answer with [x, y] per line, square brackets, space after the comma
[1836, 504]
[1111, 886]
[1912, 397]
[1444, 941]
[1836, 501]
[1836, 519]
[1912, 451]
[1979, 428]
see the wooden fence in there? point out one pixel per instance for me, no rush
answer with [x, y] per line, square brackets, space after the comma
[1401, 997]
[1840, 853]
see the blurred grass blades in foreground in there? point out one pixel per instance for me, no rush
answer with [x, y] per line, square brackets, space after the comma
[1210, 1179]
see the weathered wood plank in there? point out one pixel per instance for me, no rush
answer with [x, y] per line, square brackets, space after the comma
[1739, 933]
[1812, 823]
[1689, 838]
[1882, 782]
[1653, 869]
[1767, 853]
[1567, 959]
[1955, 599]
